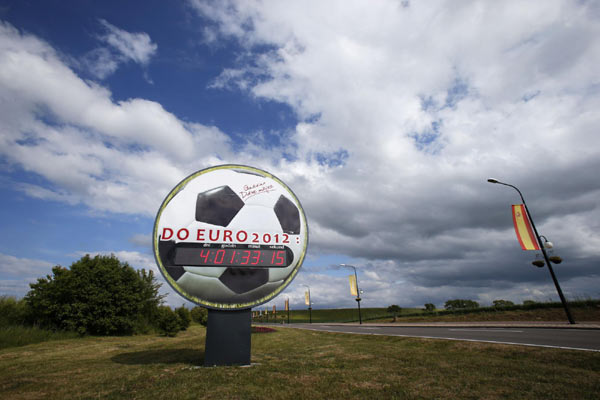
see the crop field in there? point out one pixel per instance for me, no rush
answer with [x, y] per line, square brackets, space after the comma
[293, 363]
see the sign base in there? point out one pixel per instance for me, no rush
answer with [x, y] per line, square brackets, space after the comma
[228, 337]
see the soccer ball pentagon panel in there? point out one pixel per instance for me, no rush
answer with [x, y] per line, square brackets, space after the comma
[230, 237]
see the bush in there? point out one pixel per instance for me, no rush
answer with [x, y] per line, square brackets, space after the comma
[394, 309]
[168, 321]
[502, 303]
[99, 296]
[13, 311]
[459, 304]
[199, 315]
[185, 318]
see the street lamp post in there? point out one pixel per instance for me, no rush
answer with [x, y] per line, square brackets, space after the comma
[358, 299]
[309, 305]
[542, 247]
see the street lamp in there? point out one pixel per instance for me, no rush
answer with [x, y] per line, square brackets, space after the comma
[543, 247]
[358, 299]
[550, 246]
[309, 305]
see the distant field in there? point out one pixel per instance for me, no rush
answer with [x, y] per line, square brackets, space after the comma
[581, 310]
[293, 363]
[334, 315]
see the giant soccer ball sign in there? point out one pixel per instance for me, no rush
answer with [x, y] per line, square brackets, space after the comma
[230, 237]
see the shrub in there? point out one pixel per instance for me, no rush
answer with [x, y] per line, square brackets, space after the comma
[13, 311]
[185, 318]
[199, 315]
[458, 304]
[394, 309]
[168, 321]
[502, 303]
[100, 296]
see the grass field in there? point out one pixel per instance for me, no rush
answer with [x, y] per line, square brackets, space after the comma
[12, 336]
[299, 364]
[581, 311]
[334, 315]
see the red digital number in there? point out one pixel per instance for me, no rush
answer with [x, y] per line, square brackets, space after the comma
[204, 253]
[280, 257]
[255, 257]
[219, 256]
[232, 257]
[246, 257]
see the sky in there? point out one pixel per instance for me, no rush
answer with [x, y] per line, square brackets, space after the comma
[384, 117]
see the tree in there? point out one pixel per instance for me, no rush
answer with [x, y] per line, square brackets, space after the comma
[395, 310]
[168, 321]
[502, 303]
[199, 315]
[459, 304]
[99, 296]
[185, 317]
[529, 302]
[13, 311]
[429, 307]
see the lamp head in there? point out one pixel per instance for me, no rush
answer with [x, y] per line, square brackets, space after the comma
[492, 180]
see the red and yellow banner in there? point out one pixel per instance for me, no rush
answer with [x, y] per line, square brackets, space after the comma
[274, 310]
[287, 304]
[307, 298]
[523, 228]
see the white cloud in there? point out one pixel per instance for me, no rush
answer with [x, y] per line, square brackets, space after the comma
[405, 111]
[427, 101]
[18, 272]
[137, 47]
[97, 152]
[142, 240]
[122, 47]
[23, 267]
[101, 62]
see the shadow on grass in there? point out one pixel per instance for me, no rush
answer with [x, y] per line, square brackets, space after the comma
[162, 356]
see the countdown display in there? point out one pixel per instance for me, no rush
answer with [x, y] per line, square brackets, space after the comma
[232, 257]
[230, 237]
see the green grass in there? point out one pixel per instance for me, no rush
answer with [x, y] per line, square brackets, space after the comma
[293, 363]
[335, 315]
[584, 310]
[13, 336]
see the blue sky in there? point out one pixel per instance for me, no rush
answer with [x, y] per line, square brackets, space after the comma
[385, 118]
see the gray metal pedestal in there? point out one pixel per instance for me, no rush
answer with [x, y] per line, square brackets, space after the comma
[228, 338]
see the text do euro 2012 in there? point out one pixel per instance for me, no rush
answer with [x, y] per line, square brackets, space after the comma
[224, 236]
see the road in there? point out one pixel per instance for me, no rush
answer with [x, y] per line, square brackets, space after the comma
[573, 339]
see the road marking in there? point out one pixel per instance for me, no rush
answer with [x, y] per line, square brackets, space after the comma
[454, 339]
[367, 328]
[484, 330]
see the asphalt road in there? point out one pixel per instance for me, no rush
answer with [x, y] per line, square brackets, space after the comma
[573, 339]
